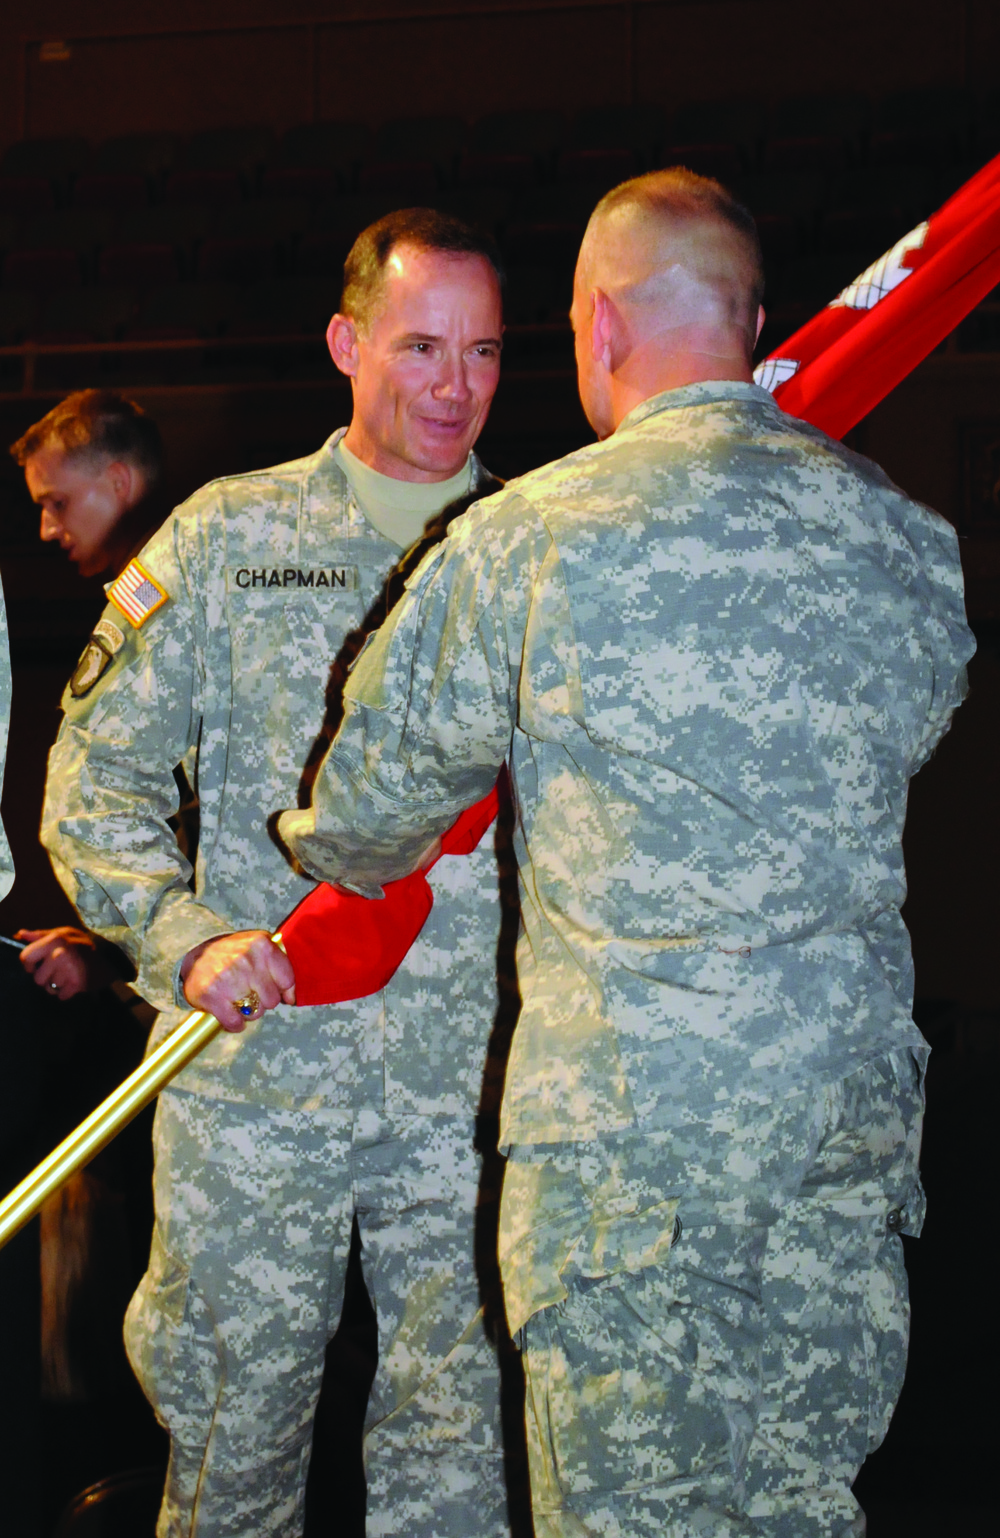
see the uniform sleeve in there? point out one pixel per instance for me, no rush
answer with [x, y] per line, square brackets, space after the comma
[111, 786]
[6, 863]
[946, 629]
[428, 716]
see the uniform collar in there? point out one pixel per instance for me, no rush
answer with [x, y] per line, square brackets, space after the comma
[703, 393]
[326, 469]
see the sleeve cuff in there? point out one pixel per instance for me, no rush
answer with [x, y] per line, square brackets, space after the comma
[171, 936]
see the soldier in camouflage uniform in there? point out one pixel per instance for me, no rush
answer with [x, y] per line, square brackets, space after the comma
[214, 654]
[713, 648]
[6, 864]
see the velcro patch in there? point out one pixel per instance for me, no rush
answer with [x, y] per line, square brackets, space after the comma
[266, 578]
[107, 632]
[137, 594]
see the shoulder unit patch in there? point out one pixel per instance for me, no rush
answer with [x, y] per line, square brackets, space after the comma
[96, 656]
[137, 594]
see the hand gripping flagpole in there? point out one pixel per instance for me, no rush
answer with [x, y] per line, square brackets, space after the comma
[104, 1124]
[341, 947]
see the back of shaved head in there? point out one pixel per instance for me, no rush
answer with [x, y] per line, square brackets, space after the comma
[675, 250]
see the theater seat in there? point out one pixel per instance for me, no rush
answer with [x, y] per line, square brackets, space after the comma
[435, 140]
[85, 315]
[513, 149]
[17, 313]
[734, 124]
[42, 268]
[182, 311]
[412, 182]
[922, 127]
[817, 133]
[142, 265]
[870, 208]
[284, 308]
[147, 154]
[317, 159]
[207, 188]
[609, 144]
[153, 235]
[120, 190]
[26, 194]
[122, 1506]
[221, 163]
[55, 160]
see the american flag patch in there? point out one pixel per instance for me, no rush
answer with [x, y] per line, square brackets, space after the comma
[137, 594]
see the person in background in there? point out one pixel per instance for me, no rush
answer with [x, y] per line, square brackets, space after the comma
[713, 648]
[92, 465]
[219, 647]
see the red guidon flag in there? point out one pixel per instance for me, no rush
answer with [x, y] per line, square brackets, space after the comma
[343, 946]
[849, 356]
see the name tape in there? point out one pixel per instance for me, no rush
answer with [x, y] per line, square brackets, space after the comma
[257, 579]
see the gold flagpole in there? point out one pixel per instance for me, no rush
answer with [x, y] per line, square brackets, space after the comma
[114, 1113]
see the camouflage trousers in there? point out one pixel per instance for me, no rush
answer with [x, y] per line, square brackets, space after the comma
[228, 1328]
[714, 1319]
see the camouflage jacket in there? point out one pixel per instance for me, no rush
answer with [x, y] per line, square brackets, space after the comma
[714, 647]
[6, 863]
[264, 575]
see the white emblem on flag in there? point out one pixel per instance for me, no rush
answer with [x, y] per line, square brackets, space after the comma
[775, 371]
[137, 594]
[882, 276]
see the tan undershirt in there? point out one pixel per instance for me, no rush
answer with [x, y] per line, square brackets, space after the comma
[400, 509]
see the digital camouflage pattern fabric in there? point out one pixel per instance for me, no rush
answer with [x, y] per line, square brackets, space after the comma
[228, 1328]
[714, 649]
[715, 1317]
[265, 575]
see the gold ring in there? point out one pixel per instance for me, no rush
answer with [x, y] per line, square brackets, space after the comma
[248, 1005]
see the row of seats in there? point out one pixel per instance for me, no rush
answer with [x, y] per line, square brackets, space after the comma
[168, 312]
[599, 145]
[855, 214]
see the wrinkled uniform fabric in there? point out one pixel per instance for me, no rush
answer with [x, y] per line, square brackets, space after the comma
[6, 863]
[264, 1144]
[714, 648]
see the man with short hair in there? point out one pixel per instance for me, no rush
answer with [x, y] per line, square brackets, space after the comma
[91, 464]
[713, 647]
[219, 644]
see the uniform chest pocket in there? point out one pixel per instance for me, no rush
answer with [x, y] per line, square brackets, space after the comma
[287, 624]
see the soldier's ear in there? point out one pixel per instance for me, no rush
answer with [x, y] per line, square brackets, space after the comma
[602, 330]
[123, 479]
[342, 340]
[760, 323]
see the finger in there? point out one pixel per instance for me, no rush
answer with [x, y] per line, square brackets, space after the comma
[34, 954]
[244, 1010]
[273, 974]
[73, 974]
[266, 957]
[46, 972]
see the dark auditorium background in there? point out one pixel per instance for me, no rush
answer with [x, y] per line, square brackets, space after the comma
[179, 184]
